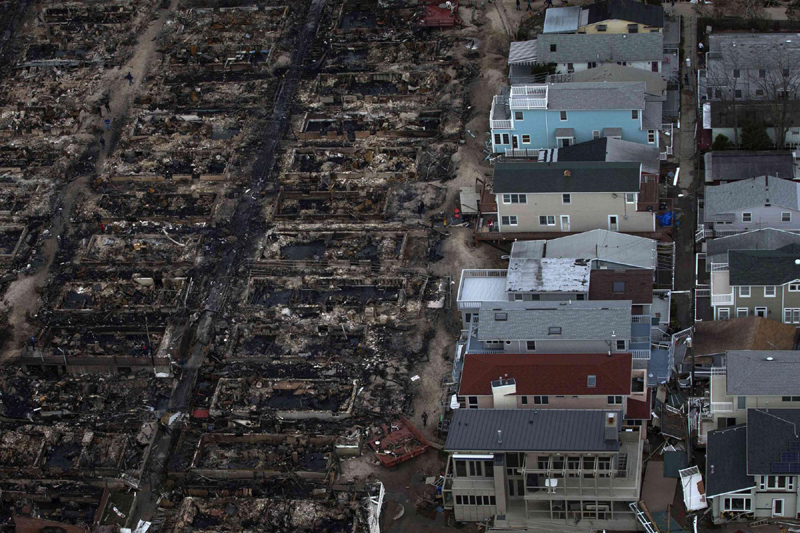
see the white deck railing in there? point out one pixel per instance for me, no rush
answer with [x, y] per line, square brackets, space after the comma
[529, 103]
[641, 354]
[721, 407]
[722, 299]
[719, 267]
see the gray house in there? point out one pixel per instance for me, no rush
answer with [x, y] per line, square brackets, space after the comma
[542, 468]
[752, 471]
[763, 283]
[735, 165]
[745, 205]
[576, 52]
[570, 197]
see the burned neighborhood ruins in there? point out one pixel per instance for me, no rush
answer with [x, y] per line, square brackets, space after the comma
[396, 265]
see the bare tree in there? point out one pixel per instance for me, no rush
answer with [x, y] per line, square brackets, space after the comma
[777, 81]
[725, 83]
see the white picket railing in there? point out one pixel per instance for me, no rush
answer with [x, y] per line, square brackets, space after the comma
[501, 124]
[721, 407]
[641, 354]
[722, 299]
[529, 103]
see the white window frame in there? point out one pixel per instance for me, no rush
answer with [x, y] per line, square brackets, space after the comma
[747, 504]
[651, 134]
[566, 198]
[742, 312]
[518, 297]
[511, 220]
[515, 198]
[563, 116]
[747, 217]
[547, 220]
[766, 292]
[744, 291]
[621, 345]
[595, 134]
[614, 400]
[630, 197]
[616, 223]
[498, 138]
[568, 226]
[783, 213]
[506, 138]
[791, 315]
[783, 507]
[634, 114]
[774, 482]
[723, 310]
[521, 114]
[761, 311]
[794, 287]
[526, 139]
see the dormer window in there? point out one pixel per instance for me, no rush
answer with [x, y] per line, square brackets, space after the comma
[591, 381]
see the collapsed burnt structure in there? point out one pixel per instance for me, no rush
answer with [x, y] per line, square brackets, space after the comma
[242, 281]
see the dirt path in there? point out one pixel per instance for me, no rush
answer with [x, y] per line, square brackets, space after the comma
[23, 297]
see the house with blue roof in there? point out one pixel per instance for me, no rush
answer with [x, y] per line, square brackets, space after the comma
[527, 118]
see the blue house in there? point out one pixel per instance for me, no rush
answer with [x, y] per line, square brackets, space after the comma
[529, 118]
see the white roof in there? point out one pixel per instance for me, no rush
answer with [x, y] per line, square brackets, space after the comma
[547, 275]
[694, 493]
[482, 289]
[607, 246]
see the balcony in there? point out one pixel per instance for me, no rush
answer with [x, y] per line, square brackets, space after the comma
[722, 299]
[529, 97]
[721, 290]
[721, 407]
[483, 285]
[500, 117]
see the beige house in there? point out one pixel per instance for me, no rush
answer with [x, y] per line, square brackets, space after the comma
[610, 16]
[572, 197]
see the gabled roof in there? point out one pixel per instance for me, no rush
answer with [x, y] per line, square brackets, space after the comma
[599, 48]
[755, 192]
[612, 150]
[584, 320]
[562, 19]
[764, 267]
[596, 96]
[532, 430]
[751, 333]
[548, 374]
[732, 165]
[566, 177]
[726, 464]
[763, 372]
[608, 246]
[655, 85]
[627, 10]
[759, 239]
[771, 434]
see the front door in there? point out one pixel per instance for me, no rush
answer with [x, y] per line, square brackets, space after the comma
[613, 223]
[777, 507]
[515, 141]
[564, 222]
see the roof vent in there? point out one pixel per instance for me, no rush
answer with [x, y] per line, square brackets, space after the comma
[568, 173]
[499, 436]
[770, 358]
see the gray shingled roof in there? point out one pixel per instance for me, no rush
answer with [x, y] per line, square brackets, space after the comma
[600, 244]
[522, 53]
[527, 177]
[770, 432]
[530, 430]
[591, 96]
[755, 192]
[752, 373]
[562, 19]
[726, 464]
[651, 117]
[611, 72]
[753, 50]
[742, 164]
[764, 267]
[584, 320]
[760, 239]
[600, 48]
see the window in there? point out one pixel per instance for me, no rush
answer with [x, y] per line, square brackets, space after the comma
[618, 286]
[591, 381]
[741, 504]
[524, 400]
[723, 314]
[635, 114]
[518, 298]
[591, 64]
[762, 73]
[595, 134]
[741, 312]
[509, 220]
[620, 345]
[541, 400]
[580, 297]
[741, 402]
[492, 500]
[630, 197]
[566, 198]
[601, 27]
[786, 73]
[498, 139]
[531, 345]
[759, 92]
[549, 220]
[553, 48]
[554, 330]
[744, 291]
[654, 66]
[633, 28]
[717, 93]
[738, 93]
[518, 115]
[505, 138]
[779, 482]
[615, 400]
[526, 139]
[791, 316]
[651, 136]
[458, 499]
[794, 287]
[563, 115]
[570, 67]
[515, 198]
[747, 217]
[536, 297]
[461, 469]
[786, 217]
[473, 402]
[736, 73]
[761, 311]
[472, 500]
[791, 398]
[769, 291]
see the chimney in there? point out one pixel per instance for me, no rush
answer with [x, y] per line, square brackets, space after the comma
[568, 173]
[611, 429]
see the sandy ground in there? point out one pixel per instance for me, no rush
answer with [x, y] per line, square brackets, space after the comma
[22, 299]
